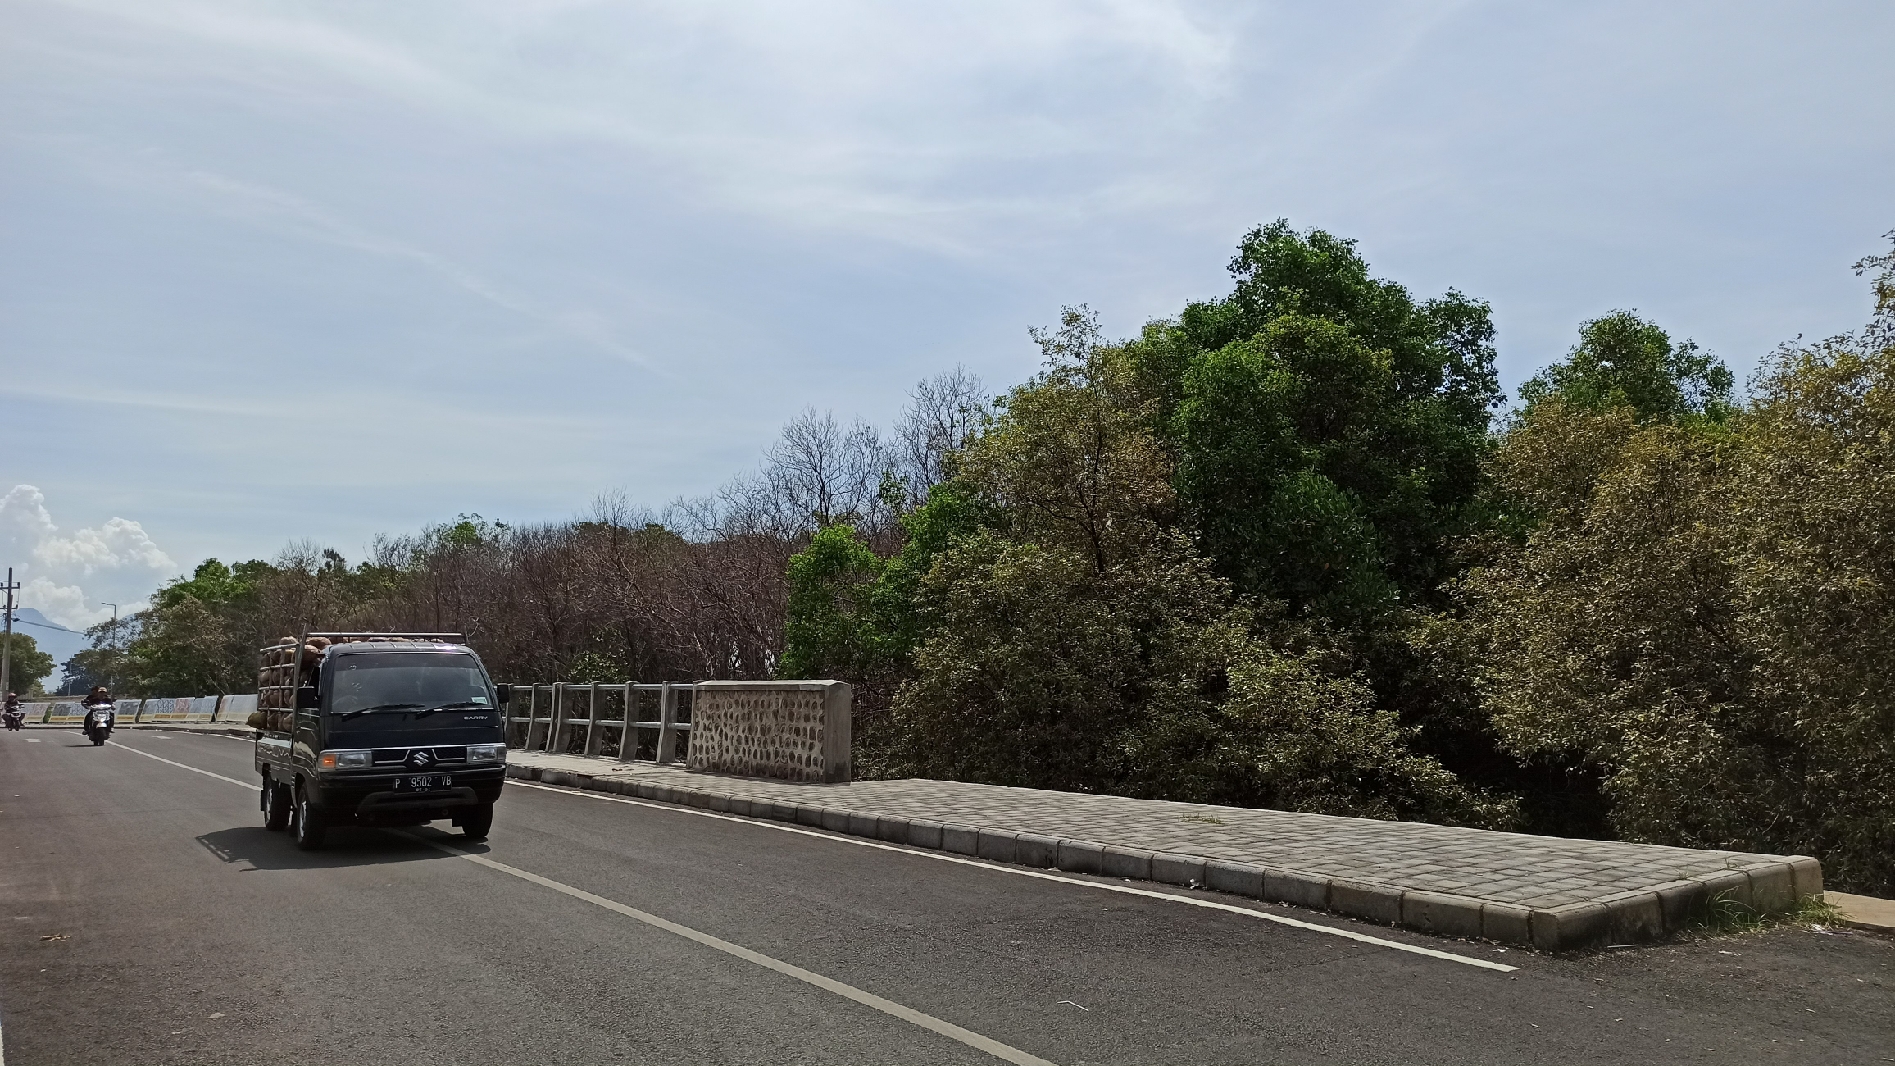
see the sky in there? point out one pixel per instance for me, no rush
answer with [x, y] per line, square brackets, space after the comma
[275, 271]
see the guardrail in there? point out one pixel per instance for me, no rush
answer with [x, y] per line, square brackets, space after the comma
[554, 730]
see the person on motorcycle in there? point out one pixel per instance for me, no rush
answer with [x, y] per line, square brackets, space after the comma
[97, 696]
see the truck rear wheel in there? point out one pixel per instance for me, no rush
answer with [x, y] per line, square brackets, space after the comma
[276, 806]
[306, 827]
[476, 821]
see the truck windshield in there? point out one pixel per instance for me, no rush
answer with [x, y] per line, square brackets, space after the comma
[406, 682]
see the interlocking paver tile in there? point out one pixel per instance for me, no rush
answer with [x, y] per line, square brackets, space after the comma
[1501, 867]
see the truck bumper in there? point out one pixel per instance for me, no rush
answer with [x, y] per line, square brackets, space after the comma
[369, 800]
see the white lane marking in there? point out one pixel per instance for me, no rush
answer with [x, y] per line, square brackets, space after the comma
[1127, 890]
[32, 740]
[1294, 923]
[1004, 1052]
[181, 766]
[972, 1039]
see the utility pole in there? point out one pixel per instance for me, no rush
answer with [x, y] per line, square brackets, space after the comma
[111, 678]
[6, 648]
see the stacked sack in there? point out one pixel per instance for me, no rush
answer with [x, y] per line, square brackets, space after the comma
[279, 671]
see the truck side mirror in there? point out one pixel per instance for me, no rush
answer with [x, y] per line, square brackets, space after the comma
[505, 694]
[306, 698]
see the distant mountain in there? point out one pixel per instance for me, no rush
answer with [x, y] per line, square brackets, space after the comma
[51, 637]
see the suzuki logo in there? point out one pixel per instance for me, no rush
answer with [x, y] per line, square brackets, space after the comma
[420, 759]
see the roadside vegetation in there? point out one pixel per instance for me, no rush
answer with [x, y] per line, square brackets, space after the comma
[1289, 548]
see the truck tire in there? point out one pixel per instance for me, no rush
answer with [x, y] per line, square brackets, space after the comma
[276, 806]
[306, 827]
[476, 821]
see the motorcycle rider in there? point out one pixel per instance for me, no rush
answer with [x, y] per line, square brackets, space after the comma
[97, 696]
[13, 708]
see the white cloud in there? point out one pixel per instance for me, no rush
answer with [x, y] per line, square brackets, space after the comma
[65, 575]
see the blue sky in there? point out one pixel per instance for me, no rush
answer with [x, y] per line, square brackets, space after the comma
[273, 271]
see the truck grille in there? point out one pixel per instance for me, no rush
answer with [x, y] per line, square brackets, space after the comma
[400, 756]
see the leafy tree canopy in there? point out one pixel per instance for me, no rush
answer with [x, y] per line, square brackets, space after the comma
[1622, 360]
[1329, 429]
[29, 665]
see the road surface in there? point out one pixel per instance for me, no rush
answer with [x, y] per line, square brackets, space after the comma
[149, 918]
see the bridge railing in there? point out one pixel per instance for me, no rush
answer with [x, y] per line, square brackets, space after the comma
[588, 717]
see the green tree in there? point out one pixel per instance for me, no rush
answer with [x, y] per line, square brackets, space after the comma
[830, 631]
[29, 665]
[1076, 638]
[1625, 362]
[1703, 610]
[1329, 429]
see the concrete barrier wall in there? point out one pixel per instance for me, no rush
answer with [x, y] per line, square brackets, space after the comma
[790, 730]
[185, 709]
[237, 708]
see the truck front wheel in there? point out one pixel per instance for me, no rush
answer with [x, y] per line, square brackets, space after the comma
[475, 821]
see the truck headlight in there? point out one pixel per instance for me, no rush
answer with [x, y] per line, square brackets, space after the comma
[344, 760]
[486, 753]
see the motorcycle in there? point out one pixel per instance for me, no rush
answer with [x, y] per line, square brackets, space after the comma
[100, 719]
[15, 718]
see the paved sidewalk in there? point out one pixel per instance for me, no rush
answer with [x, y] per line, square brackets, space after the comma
[1550, 892]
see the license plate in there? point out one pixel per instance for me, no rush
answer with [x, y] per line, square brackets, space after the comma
[423, 782]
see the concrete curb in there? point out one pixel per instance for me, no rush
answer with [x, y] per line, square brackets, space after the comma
[1627, 918]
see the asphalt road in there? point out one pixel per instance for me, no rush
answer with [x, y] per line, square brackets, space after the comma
[149, 918]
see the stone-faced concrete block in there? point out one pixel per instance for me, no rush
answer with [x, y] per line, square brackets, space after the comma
[923, 833]
[892, 830]
[643, 789]
[1031, 849]
[1302, 890]
[996, 845]
[1682, 902]
[960, 839]
[1772, 889]
[808, 814]
[1575, 925]
[1236, 878]
[1506, 922]
[1441, 914]
[1126, 862]
[1806, 877]
[1634, 917]
[716, 801]
[557, 777]
[1173, 869]
[779, 811]
[1363, 899]
[861, 825]
[1080, 856]
[835, 819]
[739, 805]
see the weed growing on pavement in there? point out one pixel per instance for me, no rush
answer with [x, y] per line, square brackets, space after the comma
[1207, 819]
[1725, 916]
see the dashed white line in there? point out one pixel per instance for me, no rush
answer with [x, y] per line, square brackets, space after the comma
[1004, 1052]
[181, 766]
[1294, 923]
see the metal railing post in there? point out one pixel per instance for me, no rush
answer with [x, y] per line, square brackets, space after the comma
[667, 723]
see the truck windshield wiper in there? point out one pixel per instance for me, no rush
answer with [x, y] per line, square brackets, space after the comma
[378, 707]
[465, 705]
